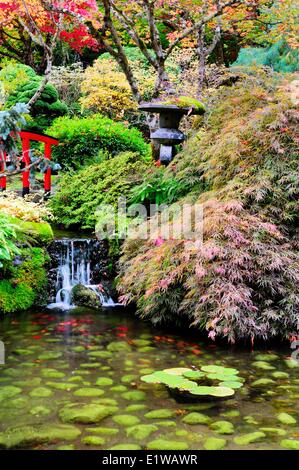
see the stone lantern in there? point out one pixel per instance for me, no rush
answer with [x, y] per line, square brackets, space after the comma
[168, 134]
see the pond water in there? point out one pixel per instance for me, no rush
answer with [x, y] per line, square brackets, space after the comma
[72, 381]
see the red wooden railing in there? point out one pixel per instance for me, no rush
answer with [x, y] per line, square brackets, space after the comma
[26, 138]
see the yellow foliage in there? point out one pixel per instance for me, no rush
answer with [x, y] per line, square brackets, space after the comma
[23, 209]
[106, 90]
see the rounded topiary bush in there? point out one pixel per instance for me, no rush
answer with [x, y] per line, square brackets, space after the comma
[81, 139]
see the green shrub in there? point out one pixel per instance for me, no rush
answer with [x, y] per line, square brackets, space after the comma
[20, 83]
[79, 194]
[25, 282]
[279, 56]
[82, 139]
[8, 237]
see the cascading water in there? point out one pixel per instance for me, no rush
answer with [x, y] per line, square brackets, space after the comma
[75, 260]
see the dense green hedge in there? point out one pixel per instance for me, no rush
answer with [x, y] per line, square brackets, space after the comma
[82, 139]
[80, 194]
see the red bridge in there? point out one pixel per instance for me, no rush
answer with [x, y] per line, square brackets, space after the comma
[27, 137]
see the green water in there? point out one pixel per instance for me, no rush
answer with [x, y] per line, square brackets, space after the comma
[54, 361]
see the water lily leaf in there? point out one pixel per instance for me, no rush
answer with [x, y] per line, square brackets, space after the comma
[177, 370]
[220, 370]
[155, 378]
[194, 374]
[225, 377]
[222, 392]
[231, 384]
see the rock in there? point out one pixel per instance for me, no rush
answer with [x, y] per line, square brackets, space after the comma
[134, 395]
[93, 440]
[214, 443]
[62, 386]
[231, 414]
[135, 407]
[280, 375]
[119, 346]
[163, 444]
[119, 388]
[247, 439]
[141, 431]
[290, 444]
[8, 391]
[49, 356]
[126, 420]
[26, 436]
[126, 447]
[40, 392]
[285, 418]
[222, 427]
[40, 411]
[89, 392]
[128, 378]
[104, 382]
[84, 297]
[103, 431]
[52, 374]
[266, 357]
[29, 383]
[262, 365]
[18, 403]
[196, 418]
[262, 382]
[83, 413]
[101, 354]
[159, 414]
[277, 431]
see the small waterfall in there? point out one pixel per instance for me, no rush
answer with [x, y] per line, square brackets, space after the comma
[75, 258]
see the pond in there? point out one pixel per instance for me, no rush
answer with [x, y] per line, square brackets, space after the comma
[72, 381]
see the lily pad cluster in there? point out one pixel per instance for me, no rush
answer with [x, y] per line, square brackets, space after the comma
[209, 381]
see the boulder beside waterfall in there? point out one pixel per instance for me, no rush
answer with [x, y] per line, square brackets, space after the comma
[83, 296]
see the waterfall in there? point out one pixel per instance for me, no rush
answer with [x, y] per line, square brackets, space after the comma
[74, 266]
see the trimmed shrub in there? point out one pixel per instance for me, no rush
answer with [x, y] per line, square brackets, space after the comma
[81, 193]
[82, 139]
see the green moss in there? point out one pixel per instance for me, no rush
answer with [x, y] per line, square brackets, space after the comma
[141, 431]
[91, 413]
[103, 431]
[134, 395]
[163, 444]
[9, 391]
[40, 392]
[126, 420]
[214, 443]
[196, 418]
[32, 435]
[222, 427]
[290, 444]
[247, 439]
[25, 283]
[285, 418]
[89, 392]
[93, 441]
[159, 414]
[186, 102]
[40, 233]
[104, 381]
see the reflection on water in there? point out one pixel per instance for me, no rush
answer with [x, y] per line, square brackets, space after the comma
[55, 361]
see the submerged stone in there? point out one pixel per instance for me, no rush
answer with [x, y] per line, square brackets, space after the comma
[89, 392]
[160, 414]
[291, 363]
[247, 439]
[52, 374]
[62, 386]
[89, 413]
[285, 418]
[40, 392]
[8, 391]
[126, 420]
[104, 381]
[250, 420]
[141, 342]
[26, 436]
[137, 407]
[103, 431]
[134, 395]
[93, 440]
[118, 346]
[106, 401]
[263, 365]
[266, 357]
[163, 444]
[290, 444]
[166, 424]
[49, 356]
[222, 427]
[66, 447]
[119, 388]
[89, 365]
[35, 382]
[18, 403]
[231, 414]
[101, 354]
[214, 443]
[128, 378]
[141, 431]
[40, 411]
[126, 447]
[277, 431]
[262, 382]
[196, 418]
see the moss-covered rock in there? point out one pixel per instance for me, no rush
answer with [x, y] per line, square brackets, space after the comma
[89, 392]
[84, 297]
[26, 436]
[286, 418]
[103, 431]
[85, 413]
[126, 420]
[40, 392]
[104, 381]
[134, 395]
[126, 447]
[250, 438]
[163, 444]
[141, 431]
[214, 443]
[162, 413]
[196, 418]
[222, 427]
[9, 391]
[93, 441]
[291, 444]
